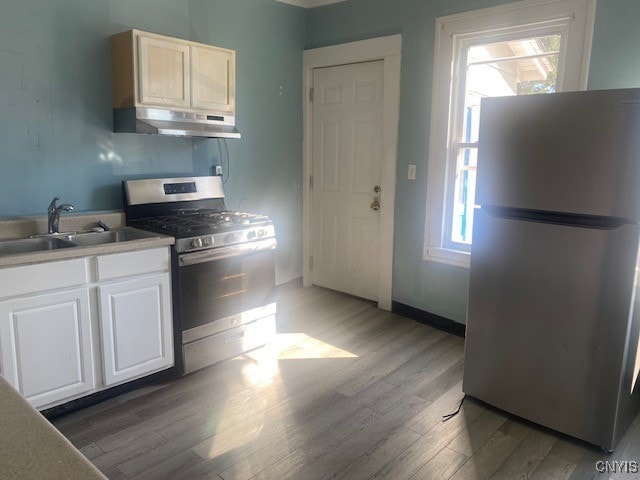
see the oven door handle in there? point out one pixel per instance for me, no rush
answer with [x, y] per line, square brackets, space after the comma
[194, 258]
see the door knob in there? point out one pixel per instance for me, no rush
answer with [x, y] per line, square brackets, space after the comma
[375, 206]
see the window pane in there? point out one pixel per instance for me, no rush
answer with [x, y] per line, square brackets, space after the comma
[464, 195]
[515, 67]
[514, 48]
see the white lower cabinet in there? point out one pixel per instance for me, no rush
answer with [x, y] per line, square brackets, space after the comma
[136, 327]
[45, 345]
[73, 327]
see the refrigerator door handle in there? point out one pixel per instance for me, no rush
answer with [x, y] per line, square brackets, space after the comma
[557, 218]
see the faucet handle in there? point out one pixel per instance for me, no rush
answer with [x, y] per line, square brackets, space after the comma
[52, 205]
[103, 225]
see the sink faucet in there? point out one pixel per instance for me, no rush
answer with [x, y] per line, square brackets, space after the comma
[53, 213]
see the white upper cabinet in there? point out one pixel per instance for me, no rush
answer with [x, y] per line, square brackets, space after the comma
[164, 73]
[213, 79]
[151, 70]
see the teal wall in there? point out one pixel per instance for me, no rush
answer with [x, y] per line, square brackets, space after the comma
[430, 286]
[55, 104]
[55, 100]
[615, 56]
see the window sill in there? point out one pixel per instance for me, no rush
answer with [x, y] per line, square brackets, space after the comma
[449, 256]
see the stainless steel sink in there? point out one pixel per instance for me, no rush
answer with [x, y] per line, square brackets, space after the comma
[28, 245]
[101, 238]
[56, 241]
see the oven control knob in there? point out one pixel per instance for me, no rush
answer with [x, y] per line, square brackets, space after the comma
[230, 238]
[196, 242]
[251, 235]
[207, 241]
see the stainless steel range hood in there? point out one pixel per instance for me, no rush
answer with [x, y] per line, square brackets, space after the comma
[173, 122]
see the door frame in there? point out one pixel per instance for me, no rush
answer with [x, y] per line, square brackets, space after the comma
[388, 49]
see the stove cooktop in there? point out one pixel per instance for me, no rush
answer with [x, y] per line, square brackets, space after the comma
[187, 223]
[204, 229]
[192, 210]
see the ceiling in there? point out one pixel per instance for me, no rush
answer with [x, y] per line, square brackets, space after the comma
[309, 3]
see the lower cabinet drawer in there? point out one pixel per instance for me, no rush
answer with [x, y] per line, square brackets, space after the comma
[128, 264]
[40, 277]
[214, 348]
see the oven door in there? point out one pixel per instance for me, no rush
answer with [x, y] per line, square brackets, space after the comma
[226, 287]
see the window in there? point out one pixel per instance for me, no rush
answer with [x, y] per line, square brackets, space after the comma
[520, 65]
[518, 49]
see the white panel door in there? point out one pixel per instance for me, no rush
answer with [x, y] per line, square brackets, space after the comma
[45, 342]
[136, 327]
[347, 161]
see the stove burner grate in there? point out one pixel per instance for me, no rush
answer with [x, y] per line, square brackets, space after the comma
[199, 221]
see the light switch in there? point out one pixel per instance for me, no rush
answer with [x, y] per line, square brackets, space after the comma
[411, 172]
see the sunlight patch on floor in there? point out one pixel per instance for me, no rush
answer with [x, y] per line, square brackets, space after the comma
[300, 345]
[262, 367]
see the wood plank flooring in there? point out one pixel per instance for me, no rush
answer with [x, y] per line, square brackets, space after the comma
[346, 391]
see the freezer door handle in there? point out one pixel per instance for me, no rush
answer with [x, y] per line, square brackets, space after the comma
[558, 218]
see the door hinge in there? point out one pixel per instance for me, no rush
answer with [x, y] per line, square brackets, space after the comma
[311, 94]
[310, 262]
[311, 182]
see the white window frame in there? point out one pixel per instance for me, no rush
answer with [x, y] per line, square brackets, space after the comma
[573, 19]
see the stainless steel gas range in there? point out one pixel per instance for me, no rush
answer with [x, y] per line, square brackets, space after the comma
[223, 275]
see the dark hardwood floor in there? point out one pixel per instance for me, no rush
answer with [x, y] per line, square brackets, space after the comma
[346, 391]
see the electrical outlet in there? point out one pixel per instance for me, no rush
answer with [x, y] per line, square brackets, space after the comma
[411, 172]
[218, 170]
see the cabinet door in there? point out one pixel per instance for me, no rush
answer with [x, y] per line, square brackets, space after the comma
[136, 327]
[213, 79]
[163, 72]
[45, 345]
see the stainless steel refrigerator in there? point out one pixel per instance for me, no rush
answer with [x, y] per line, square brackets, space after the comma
[553, 315]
